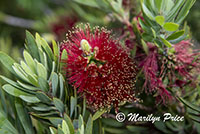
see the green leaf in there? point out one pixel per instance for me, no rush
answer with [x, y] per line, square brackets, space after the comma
[14, 91]
[55, 50]
[43, 107]
[26, 86]
[7, 61]
[158, 4]
[160, 20]
[147, 37]
[73, 104]
[55, 120]
[89, 126]
[81, 124]
[167, 43]
[44, 85]
[161, 126]
[43, 97]
[91, 3]
[174, 11]
[53, 130]
[176, 35]
[54, 84]
[64, 55]
[18, 93]
[145, 47]
[58, 104]
[45, 46]
[69, 123]
[65, 127]
[137, 129]
[117, 131]
[29, 99]
[190, 105]
[30, 62]
[61, 80]
[20, 72]
[147, 11]
[98, 114]
[24, 117]
[26, 68]
[11, 82]
[6, 125]
[41, 71]
[60, 130]
[184, 11]
[170, 26]
[32, 46]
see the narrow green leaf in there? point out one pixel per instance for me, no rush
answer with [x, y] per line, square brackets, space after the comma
[176, 35]
[41, 71]
[64, 55]
[89, 126]
[32, 46]
[58, 104]
[11, 82]
[147, 11]
[24, 117]
[30, 62]
[7, 61]
[61, 80]
[43, 107]
[190, 105]
[6, 125]
[44, 85]
[65, 127]
[55, 50]
[91, 3]
[167, 43]
[161, 126]
[158, 4]
[172, 14]
[72, 105]
[53, 130]
[69, 123]
[81, 124]
[29, 99]
[170, 26]
[55, 120]
[145, 47]
[14, 91]
[20, 72]
[54, 84]
[147, 37]
[43, 97]
[137, 129]
[184, 11]
[98, 114]
[45, 46]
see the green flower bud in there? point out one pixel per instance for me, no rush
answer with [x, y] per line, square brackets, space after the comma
[85, 46]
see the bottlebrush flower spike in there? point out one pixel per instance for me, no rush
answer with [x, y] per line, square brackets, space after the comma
[152, 81]
[186, 59]
[99, 67]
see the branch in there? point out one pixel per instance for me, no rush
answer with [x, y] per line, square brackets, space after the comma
[16, 21]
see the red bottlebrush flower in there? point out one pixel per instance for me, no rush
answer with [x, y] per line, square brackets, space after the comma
[100, 68]
[151, 70]
[186, 59]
